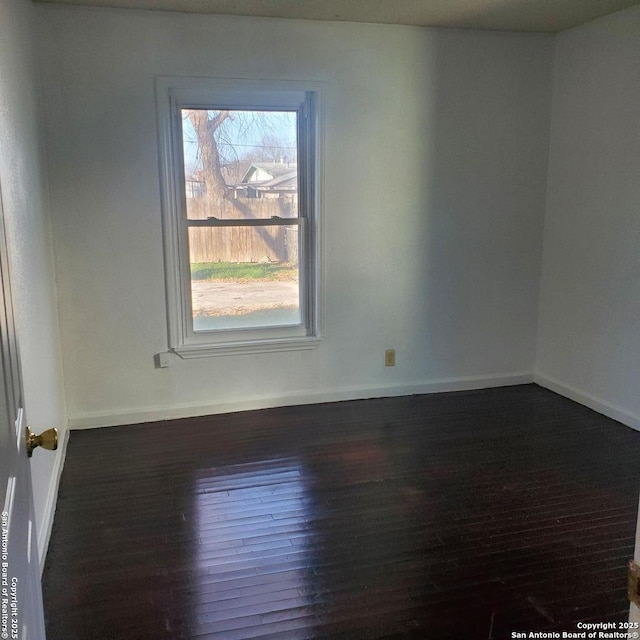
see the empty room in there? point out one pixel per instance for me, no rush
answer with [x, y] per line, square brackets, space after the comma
[335, 310]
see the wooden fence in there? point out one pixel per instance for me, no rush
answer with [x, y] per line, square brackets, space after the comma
[272, 243]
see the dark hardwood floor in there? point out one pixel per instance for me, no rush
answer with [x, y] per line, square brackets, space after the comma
[451, 516]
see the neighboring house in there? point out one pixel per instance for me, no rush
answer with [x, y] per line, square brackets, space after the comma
[268, 180]
[234, 172]
[273, 180]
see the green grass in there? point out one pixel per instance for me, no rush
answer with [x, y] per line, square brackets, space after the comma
[241, 270]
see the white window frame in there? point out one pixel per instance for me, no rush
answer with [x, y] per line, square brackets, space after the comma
[173, 94]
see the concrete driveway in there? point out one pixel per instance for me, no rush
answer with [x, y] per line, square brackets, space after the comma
[238, 298]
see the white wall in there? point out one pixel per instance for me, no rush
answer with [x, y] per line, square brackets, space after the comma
[589, 339]
[436, 155]
[24, 193]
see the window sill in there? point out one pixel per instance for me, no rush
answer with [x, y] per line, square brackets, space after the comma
[188, 352]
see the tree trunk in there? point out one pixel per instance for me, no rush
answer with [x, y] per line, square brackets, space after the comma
[214, 183]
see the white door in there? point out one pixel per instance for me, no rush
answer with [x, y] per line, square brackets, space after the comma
[21, 615]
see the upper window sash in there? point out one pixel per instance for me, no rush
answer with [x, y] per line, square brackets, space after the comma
[234, 99]
[301, 103]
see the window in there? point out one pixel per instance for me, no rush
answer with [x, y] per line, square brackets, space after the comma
[239, 164]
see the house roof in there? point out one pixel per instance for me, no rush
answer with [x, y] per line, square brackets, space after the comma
[234, 172]
[287, 180]
[274, 169]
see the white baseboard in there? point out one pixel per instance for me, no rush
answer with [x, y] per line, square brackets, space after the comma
[44, 532]
[153, 414]
[588, 400]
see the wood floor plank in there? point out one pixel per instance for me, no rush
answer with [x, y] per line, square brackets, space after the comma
[437, 517]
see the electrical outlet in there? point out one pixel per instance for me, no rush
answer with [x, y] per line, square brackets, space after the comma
[390, 358]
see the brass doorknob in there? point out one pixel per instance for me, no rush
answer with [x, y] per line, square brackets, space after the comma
[47, 440]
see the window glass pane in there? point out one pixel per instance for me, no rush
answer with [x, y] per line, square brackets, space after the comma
[240, 163]
[244, 277]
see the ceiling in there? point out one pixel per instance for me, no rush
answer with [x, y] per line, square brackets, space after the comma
[510, 15]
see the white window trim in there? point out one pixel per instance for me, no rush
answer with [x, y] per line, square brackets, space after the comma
[235, 92]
